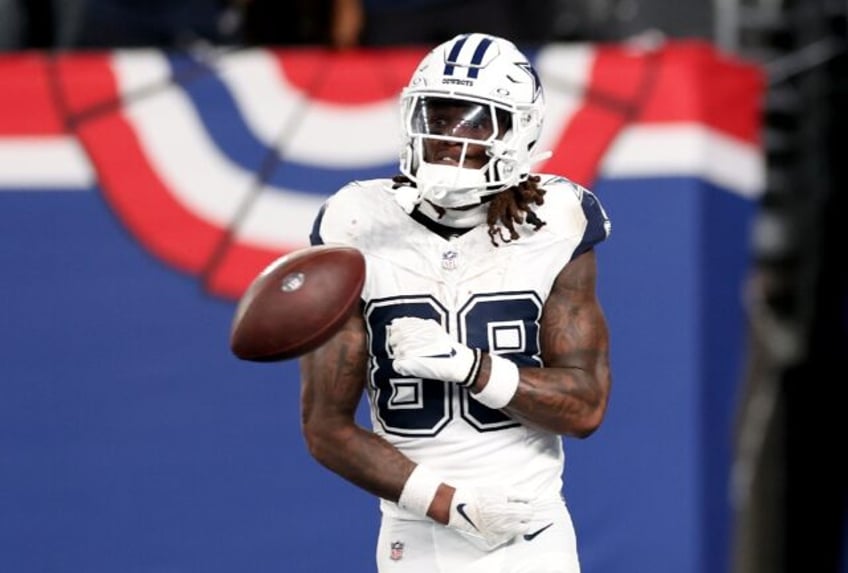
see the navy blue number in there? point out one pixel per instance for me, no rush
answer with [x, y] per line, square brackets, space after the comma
[505, 324]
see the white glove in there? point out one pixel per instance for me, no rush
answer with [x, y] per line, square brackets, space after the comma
[423, 349]
[491, 514]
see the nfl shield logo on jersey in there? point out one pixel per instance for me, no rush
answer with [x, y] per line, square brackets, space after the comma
[397, 551]
[449, 260]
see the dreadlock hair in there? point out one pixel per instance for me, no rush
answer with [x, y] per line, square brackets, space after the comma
[513, 205]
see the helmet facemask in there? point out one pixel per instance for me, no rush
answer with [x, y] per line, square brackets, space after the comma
[451, 148]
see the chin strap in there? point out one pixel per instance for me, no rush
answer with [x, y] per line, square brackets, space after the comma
[450, 186]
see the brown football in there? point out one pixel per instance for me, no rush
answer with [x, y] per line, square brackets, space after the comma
[297, 303]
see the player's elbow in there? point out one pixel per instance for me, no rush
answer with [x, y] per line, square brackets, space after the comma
[324, 440]
[592, 414]
[319, 441]
[591, 418]
[587, 425]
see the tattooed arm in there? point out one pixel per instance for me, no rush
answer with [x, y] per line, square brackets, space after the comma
[332, 382]
[569, 394]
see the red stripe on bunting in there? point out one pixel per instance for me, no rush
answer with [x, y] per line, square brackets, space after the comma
[26, 97]
[87, 83]
[349, 77]
[616, 82]
[697, 83]
[687, 82]
[139, 197]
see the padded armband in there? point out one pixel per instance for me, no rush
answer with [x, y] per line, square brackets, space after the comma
[419, 491]
[502, 384]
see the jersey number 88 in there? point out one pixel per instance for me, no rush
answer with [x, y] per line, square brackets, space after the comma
[506, 324]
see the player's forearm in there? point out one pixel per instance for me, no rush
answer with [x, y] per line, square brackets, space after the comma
[369, 462]
[361, 457]
[565, 400]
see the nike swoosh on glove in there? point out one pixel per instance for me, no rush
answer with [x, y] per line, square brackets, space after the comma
[422, 348]
[491, 514]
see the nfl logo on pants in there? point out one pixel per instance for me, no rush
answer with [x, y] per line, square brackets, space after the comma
[397, 551]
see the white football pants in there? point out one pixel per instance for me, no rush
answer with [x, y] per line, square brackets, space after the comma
[408, 546]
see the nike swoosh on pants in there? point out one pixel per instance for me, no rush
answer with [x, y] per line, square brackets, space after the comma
[532, 536]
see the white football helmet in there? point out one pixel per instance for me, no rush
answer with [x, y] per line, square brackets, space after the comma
[472, 114]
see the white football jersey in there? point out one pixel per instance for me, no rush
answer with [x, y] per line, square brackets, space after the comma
[488, 296]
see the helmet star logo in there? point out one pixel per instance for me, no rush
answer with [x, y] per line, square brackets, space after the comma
[534, 77]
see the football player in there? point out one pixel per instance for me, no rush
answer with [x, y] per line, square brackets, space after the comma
[481, 341]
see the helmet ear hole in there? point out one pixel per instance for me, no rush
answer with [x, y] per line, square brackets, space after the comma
[506, 171]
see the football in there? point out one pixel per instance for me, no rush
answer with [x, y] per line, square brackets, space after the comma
[297, 303]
